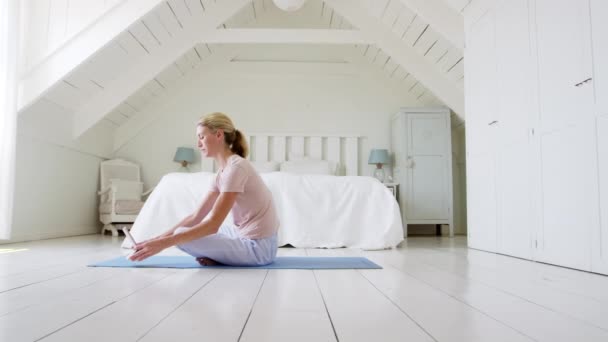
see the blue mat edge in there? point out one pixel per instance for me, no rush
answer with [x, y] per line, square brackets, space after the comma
[187, 262]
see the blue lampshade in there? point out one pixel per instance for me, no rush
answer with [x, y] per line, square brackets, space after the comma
[378, 156]
[184, 154]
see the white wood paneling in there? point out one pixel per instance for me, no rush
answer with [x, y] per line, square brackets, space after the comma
[404, 54]
[141, 73]
[80, 48]
[443, 18]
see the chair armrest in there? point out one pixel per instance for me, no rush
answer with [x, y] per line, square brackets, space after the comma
[149, 191]
[103, 192]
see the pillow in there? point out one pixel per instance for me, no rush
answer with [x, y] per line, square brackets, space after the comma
[308, 167]
[299, 157]
[265, 166]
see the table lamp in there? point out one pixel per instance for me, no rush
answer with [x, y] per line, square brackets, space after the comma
[378, 157]
[184, 156]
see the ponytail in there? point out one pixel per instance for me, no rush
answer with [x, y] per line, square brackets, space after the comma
[239, 145]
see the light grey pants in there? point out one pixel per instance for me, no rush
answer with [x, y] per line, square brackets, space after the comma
[229, 248]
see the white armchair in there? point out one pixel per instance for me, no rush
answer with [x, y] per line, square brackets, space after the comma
[121, 194]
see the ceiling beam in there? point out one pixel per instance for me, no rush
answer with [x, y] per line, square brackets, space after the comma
[38, 80]
[442, 18]
[406, 56]
[130, 82]
[127, 131]
[284, 36]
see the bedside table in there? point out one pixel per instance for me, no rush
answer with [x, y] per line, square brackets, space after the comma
[394, 188]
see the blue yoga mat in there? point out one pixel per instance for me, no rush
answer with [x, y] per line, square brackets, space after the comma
[308, 263]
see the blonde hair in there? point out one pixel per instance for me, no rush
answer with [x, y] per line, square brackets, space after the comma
[234, 138]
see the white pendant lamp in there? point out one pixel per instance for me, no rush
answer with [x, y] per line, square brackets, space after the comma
[289, 5]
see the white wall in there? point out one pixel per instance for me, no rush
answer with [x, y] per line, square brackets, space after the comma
[257, 102]
[56, 177]
[54, 191]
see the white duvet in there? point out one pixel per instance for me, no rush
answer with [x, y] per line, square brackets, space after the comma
[314, 210]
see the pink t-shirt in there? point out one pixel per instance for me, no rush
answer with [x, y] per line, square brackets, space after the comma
[253, 211]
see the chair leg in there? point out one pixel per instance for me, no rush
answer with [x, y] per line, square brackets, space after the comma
[111, 228]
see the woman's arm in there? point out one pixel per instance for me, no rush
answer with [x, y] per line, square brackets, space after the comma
[196, 217]
[209, 225]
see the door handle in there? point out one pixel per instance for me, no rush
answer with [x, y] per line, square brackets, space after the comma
[583, 82]
[493, 122]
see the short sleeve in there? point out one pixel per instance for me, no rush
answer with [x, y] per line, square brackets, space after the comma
[233, 180]
[213, 184]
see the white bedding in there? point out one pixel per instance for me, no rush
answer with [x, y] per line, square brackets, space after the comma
[314, 210]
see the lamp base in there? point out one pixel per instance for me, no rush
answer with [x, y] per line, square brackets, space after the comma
[379, 174]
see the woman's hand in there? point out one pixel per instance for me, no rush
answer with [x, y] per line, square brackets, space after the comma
[147, 249]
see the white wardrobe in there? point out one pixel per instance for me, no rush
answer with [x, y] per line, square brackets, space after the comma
[536, 90]
[421, 144]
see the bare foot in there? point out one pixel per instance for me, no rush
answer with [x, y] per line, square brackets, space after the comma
[207, 262]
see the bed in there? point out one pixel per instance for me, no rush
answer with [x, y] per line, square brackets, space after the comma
[316, 207]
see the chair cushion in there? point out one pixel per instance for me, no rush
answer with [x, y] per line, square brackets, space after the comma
[123, 207]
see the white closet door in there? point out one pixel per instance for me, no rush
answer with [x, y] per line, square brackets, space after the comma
[569, 196]
[427, 166]
[480, 84]
[481, 202]
[566, 134]
[599, 20]
[564, 61]
[600, 236]
[516, 88]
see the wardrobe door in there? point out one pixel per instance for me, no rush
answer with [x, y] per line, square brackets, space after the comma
[481, 202]
[566, 134]
[599, 24]
[515, 105]
[428, 167]
[480, 85]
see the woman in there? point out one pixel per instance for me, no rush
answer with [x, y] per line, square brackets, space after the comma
[238, 188]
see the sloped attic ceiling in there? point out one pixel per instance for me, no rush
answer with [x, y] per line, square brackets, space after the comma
[168, 42]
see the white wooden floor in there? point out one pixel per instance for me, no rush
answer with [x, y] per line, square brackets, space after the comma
[431, 289]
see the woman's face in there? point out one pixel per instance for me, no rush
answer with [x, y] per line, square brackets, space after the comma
[209, 143]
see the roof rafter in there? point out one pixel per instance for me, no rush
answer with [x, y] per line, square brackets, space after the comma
[121, 88]
[427, 73]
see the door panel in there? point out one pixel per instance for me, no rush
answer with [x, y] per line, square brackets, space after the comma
[564, 60]
[514, 201]
[569, 196]
[481, 202]
[599, 22]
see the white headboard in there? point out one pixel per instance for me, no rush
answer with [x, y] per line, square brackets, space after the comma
[341, 149]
